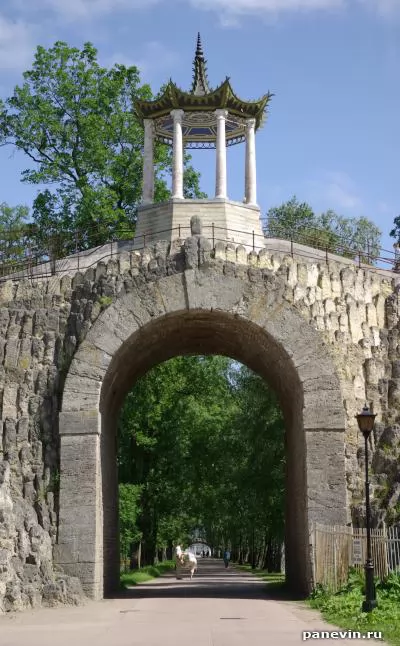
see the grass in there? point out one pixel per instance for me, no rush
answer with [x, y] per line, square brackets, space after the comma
[145, 573]
[344, 608]
[275, 580]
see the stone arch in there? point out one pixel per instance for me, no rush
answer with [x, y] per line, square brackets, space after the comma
[197, 312]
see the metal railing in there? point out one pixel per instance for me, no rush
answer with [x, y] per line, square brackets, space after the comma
[28, 253]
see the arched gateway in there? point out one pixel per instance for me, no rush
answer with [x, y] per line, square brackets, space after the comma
[197, 308]
[197, 311]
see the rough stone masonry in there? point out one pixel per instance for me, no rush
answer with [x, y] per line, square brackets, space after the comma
[348, 316]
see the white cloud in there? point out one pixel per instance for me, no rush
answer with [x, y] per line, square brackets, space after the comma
[88, 9]
[385, 8]
[337, 190]
[16, 44]
[267, 6]
[229, 11]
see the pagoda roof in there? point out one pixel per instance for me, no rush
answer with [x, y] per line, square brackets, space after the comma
[199, 105]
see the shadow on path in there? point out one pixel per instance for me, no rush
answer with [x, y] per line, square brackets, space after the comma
[212, 580]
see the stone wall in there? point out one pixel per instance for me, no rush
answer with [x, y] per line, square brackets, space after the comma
[43, 322]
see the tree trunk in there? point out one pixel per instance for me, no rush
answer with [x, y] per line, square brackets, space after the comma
[170, 550]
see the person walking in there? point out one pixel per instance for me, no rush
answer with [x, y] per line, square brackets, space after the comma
[227, 557]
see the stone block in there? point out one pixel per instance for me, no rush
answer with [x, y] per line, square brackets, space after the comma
[86, 422]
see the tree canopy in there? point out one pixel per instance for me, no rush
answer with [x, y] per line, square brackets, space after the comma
[75, 121]
[294, 220]
[202, 437]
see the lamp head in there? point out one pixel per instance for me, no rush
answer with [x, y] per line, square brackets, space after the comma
[366, 420]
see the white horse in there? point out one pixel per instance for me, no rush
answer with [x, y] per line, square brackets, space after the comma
[184, 560]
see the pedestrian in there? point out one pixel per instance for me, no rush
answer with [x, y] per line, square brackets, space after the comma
[227, 557]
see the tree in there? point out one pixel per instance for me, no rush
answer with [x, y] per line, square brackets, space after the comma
[12, 234]
[129, 496]
[395, 232]
[290, 218]
[204, 439]
[76, 123]
[349, 237]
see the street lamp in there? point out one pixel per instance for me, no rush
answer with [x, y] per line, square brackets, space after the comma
[366, 421]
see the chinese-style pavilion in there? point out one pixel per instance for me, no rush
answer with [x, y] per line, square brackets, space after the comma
[201, 118]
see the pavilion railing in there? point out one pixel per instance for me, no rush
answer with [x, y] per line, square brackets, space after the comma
[28, 252]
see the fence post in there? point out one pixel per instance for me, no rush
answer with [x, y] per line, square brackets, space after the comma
[179, 231]
[291, 246]
[359, 258]
[334, 560]
[253, 242]
[313, 536]
[213, 235]
[326, 255]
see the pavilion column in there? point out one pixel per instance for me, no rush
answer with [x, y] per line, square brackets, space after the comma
[220, 178]
[177, 155]
[250, 165]
[148, 162]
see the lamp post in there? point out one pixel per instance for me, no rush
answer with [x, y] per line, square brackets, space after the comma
[366, 421]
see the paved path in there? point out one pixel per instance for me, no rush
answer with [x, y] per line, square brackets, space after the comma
[218, 608]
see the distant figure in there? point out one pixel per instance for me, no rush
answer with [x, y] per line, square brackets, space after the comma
[203, 553]
[227, 557]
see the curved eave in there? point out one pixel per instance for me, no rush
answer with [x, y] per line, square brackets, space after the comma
[222, 97]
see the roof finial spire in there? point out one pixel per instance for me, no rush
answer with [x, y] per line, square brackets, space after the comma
[199, 49]
[200, 82]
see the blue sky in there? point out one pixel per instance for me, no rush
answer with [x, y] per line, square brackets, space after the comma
[333, 132]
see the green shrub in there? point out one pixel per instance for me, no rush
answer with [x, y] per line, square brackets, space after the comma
[344, 607]
[145, 574]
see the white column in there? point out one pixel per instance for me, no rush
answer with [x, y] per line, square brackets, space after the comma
[250, 165]
[220, 178]
[148, 162]
[177, 155]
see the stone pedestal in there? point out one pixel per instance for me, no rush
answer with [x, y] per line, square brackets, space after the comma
[233, 222]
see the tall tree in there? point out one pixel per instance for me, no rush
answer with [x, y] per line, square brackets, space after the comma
[13, 232]
[203, 438]
[76, 123]
[348, 237]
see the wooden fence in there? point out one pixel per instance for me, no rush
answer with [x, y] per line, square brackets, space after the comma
[335, 549]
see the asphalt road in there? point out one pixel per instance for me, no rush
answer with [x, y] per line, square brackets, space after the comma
[218, 607]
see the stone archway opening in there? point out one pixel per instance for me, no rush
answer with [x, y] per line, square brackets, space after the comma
[201, 463]
[199, 332]
[198, 313]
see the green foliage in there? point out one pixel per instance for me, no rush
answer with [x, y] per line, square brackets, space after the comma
[204, 438]
[129, 496]
[145, 574]
[344, 608]
[395, 232]
[104, 301]
[344, 236]
[12, 233]
[76, 123]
